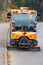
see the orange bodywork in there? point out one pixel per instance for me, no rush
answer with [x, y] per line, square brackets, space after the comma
[17, 35]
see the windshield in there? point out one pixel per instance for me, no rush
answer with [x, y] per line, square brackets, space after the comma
[23, 19]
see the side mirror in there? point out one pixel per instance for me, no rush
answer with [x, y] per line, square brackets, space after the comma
[8, 15]
[38, 16]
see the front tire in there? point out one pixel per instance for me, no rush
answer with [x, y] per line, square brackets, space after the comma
[34, 43]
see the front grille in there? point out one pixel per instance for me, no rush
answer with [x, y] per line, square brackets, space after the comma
[24, 40]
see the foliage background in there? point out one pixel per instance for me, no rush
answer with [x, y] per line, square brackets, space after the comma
[32, 4]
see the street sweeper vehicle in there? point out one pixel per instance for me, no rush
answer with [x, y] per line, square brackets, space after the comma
[23, 28]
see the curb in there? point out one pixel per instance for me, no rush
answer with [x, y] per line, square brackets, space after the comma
[6, 56]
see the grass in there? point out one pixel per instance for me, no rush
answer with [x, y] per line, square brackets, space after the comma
[3, 17]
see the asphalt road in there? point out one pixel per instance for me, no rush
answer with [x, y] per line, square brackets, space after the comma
[3, 29]
[21, 57]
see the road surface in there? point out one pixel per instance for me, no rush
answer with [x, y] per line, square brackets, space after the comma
[3, 29]
[19, 57]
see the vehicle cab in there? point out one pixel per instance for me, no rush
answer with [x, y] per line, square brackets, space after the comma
[23, 27]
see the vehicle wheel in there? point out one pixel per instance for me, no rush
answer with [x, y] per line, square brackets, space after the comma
[34, 43]
[8, 43]
[36, 49]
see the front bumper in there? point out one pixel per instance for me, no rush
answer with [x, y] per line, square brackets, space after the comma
[30, 43]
